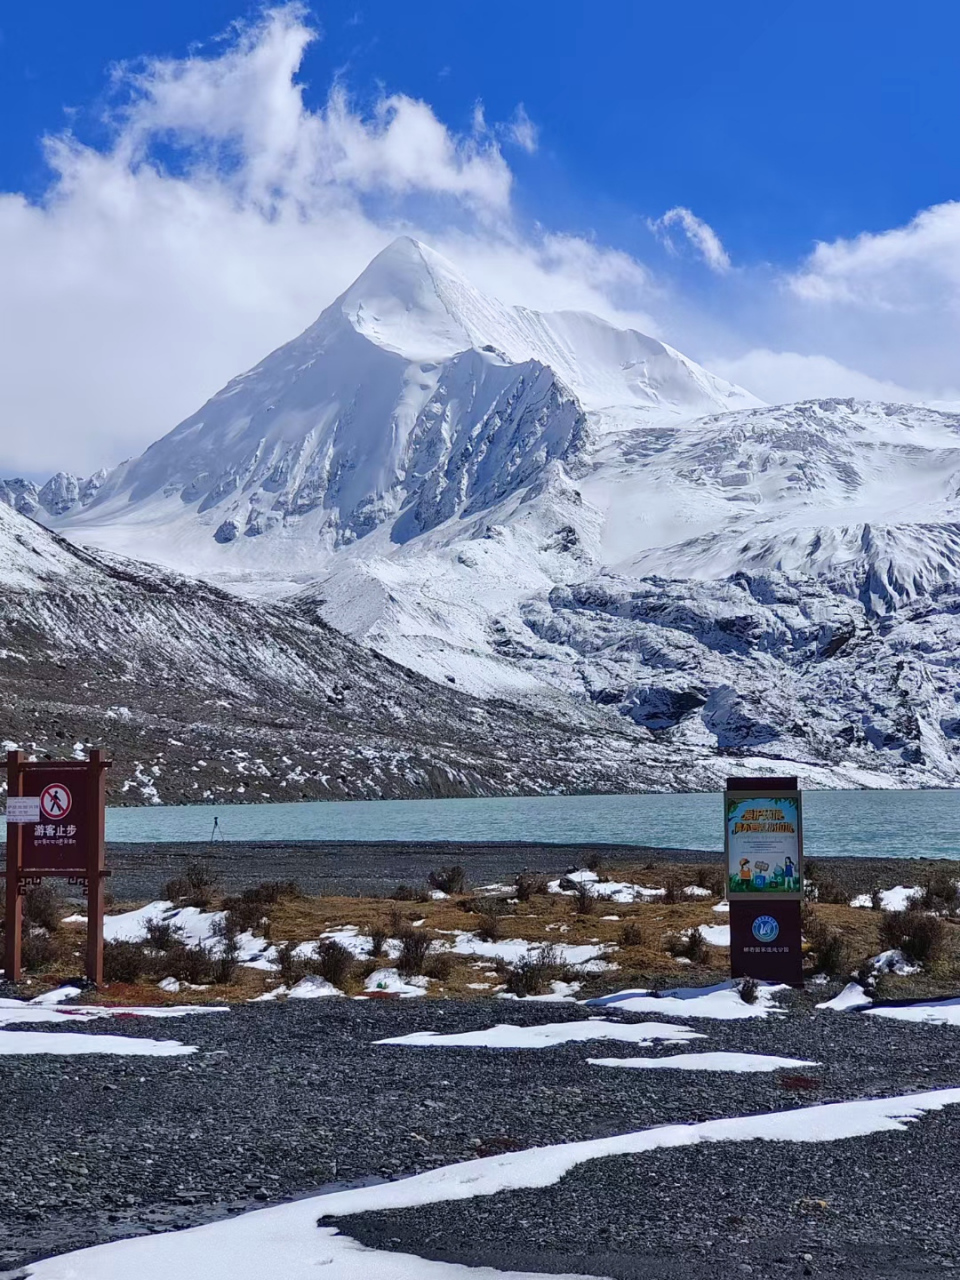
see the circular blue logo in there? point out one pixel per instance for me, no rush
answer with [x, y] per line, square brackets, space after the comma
[765, 928]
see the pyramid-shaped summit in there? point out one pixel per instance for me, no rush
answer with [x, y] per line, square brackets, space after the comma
[414, 397]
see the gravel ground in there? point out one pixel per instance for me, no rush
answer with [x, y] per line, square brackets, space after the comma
[283, 1100]
[139, 871]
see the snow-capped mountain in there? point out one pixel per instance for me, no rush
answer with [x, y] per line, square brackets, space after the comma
[412, 399]
[542, 506]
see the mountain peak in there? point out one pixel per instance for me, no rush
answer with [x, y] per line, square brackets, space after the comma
[411, 300]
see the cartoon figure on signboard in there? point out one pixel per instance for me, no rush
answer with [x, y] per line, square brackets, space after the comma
[745, 873]
[789, 871]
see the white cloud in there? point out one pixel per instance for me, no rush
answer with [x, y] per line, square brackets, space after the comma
[911, 268]
[135, 288]
[700, 235]
[783, 376]
[523, 131]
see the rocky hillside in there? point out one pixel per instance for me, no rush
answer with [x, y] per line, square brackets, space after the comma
[200, 695]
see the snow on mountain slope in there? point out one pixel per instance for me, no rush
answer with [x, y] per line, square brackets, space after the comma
[546, 507]
[200, 695]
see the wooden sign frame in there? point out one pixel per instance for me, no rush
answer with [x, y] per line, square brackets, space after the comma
[78, 858]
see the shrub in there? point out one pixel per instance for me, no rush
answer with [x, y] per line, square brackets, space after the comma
[532, 975]
[414, 949]
[830, 892]
[691, 945]
[749, 990]
[529, 884]
[940, 893]
[41, 907]
[594, 862]
[672, 891]
[188, 964]
[332, 961]
[831, 953]
[378, 938]
[439, 966]
[448, 879]
[247, 909]
[697, 948]
[631, 935]
[203, 884]
[583, 899]
[176, 890]
[712, 878]
[123, 961]
[488, 927]
[223, 966]
[827, 946]
[161, 935]
[405, 893]
[876, 900]
[195, 888]
[291, 968]
[36, 949]
[918, 935]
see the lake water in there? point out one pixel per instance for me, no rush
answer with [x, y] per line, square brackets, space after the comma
[848, 823]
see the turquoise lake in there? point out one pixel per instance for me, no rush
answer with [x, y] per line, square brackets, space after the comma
[848, 823]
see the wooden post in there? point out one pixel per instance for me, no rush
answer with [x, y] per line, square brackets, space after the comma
[14, 909]
[95, 868]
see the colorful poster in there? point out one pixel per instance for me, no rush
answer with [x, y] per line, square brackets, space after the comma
[763, 844]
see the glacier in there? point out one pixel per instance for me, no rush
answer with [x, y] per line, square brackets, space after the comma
[544, 509]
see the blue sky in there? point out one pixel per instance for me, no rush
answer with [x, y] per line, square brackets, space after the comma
[765, 128]
[779, 124]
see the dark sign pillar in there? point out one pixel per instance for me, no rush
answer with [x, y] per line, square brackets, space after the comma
[55, 827]
[763, 843]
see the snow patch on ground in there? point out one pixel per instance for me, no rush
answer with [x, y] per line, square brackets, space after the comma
[559, 992]
[390, 982]
[313, 988]
[893, 961]
[852, 996]
[285, 1240]
[895, 899]
[507, 1036]
[945, 1013]
[19, 1012]
[19, 1043]
[513, 950]
[720, 1001]
[705, 1062]
[606, 890]
[716, 935]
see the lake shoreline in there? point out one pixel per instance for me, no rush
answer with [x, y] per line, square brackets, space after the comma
[375, 868]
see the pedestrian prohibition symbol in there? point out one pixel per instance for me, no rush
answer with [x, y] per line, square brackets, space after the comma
[55, 801]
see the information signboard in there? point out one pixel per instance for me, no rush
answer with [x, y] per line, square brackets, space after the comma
[763, 847]
[55, 827]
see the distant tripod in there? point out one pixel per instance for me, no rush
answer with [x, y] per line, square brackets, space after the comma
[216, 833]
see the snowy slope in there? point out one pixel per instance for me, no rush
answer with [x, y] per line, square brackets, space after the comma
[200, 695]
[547, 508]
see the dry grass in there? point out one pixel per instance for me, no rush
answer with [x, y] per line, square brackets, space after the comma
[542, 919]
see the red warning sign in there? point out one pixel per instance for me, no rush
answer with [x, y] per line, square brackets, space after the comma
[55, 801]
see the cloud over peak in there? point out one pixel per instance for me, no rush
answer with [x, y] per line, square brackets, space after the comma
[699, 235]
